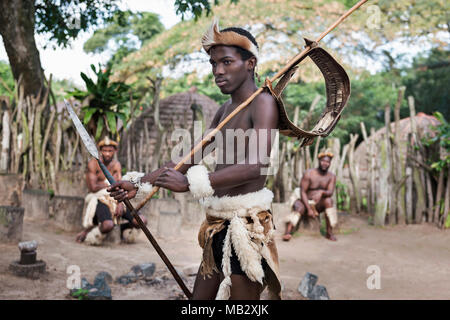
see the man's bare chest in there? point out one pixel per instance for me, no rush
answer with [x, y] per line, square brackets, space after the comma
[319, 182]
[241, 120]
[238, 126]
[99, 173]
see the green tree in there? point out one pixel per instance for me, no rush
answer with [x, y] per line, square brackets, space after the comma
[115, 35]
[428, 80]
[6, 80]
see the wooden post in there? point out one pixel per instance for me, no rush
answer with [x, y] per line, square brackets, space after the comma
[430, 199]
[446, 202]
[315, 161]
[438, 197]
[368, 167]
[399, 162]
[382, 195]
[335, 146]
[6, 133]
[353, 174]
[341, 163]
[372, 169]
[409, 194]
[309, 164]
[417, 172]
[409, 184]
[389, 166]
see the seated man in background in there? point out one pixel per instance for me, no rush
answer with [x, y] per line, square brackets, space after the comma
[314, 196]
[98, 219]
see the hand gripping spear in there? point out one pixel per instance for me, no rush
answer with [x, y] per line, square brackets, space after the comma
[292, 63]
[90, 146]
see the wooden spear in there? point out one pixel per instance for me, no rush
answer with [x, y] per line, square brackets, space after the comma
[288, 66]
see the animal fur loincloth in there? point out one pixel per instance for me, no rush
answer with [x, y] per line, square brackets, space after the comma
[90, 206]
[250, 232]
[294, 216]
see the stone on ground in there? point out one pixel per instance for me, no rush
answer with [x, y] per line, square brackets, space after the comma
[319, 293]
[144, 270]
[307, 284]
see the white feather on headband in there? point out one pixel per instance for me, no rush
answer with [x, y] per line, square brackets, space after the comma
[213, 36]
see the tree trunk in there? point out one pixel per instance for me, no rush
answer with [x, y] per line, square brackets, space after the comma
[17, 30]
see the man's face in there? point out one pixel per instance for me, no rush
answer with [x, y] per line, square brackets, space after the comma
[324, 163]
[228, 68]
[107, 153]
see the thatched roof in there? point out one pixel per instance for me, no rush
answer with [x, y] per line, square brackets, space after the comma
[176, 111]
[424, 123]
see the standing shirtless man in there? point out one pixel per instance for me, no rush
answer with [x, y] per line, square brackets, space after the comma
[317, 187]
[239, 253]
[100, 207]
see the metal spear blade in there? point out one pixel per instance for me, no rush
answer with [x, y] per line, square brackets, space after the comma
[89, 144]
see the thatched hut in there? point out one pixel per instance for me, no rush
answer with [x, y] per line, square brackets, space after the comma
[146, 145]
[424, 124]
[373, 152]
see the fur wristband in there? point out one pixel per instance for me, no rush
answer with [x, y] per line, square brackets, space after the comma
[199, 183]
[135, 178]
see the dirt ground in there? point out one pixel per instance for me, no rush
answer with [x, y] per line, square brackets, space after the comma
[413, 260]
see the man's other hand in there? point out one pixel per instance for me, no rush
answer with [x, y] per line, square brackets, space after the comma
[311, 213]
[120, 209]
[173, 180]
[122, 190]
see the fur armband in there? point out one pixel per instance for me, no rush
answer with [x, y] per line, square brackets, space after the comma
[199, 183]
[135, 178]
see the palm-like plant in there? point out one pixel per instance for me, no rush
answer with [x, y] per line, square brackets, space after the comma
[104, 102]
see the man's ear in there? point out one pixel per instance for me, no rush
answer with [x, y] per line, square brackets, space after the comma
[251, 63]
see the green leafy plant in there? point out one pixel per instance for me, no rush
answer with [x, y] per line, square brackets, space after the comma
[443, 138]
[80, 294]
[104, 102]
[342, 196]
